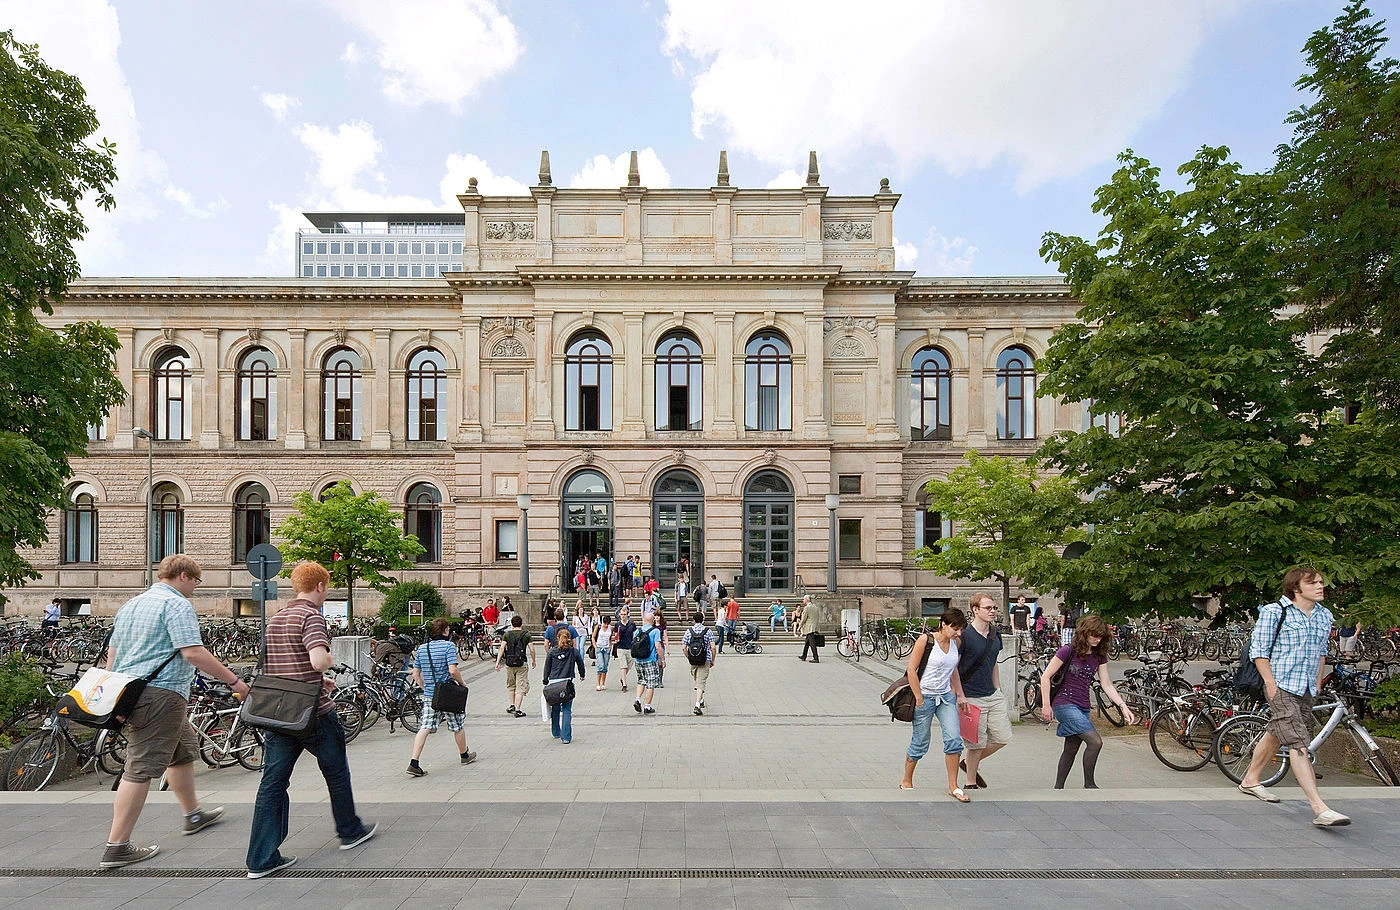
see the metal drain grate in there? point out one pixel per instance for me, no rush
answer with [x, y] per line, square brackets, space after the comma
[737, 874]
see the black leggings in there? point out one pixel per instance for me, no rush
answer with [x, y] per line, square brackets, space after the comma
[1093, 744]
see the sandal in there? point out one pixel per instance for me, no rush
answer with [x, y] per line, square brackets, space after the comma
[958, 794]
[981, 784]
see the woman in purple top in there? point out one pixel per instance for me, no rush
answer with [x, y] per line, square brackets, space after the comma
[1086, 654]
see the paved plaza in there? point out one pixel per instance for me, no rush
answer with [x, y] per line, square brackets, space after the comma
[784, 794]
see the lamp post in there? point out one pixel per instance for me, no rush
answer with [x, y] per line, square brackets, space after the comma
[523, 501]
[833, 502]
[140, 433]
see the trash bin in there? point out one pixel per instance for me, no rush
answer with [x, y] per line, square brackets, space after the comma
[740, 589]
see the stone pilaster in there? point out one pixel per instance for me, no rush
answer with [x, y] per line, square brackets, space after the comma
[728, 376]
[887, 369]
[542, 418]
[633, 421]
[209, 388]
[124, 417]
[469, 430]
[814, 424]
[977, 393]
[299, 415]
[379, 400]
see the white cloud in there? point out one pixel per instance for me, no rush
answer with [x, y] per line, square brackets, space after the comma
[352, 54]
[81, 38]
[904, 254]
[281, 105]
[602, 172]
[1050, 87]
[342, 154]
[432, 51]
[946, 255]
[788, 179]
[461, 168]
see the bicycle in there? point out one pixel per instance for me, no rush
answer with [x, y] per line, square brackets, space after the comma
[1234, 744]
[224, 739]
[849, 645]
[36, 759]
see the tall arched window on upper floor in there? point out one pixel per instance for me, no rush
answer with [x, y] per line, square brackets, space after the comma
[171, 413]
[679, 375]
[931, 396]
[427, 396]
[588, 386]
[257, 395]
[768, 382]
[79, 543]
[423, 519]
[167, 522]
[1015, 394]
[252, 519]
[341, 377]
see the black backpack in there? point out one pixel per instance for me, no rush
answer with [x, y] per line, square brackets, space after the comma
[722, 590]
[1247, 678]
[696, 650]
[515, 650]
[641, 644]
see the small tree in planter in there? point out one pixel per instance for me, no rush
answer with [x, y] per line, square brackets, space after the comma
[395, 608]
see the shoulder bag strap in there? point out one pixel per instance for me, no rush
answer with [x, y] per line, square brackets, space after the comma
[1282, 613]
[982, 658]
[156, 672]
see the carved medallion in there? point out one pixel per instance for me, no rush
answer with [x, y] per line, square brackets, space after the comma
[848, 347]
[588, 456]
[678, 456]
[510, 230]
[509, 347]
[340, 334]
[169, 333]
[770, 456]
[255, 335]
[848, 230]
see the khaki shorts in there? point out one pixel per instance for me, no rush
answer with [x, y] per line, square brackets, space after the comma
[518, 680]
[700, 674]
[625, 655]
[994, 726]
[158, 735]
[1290, 719]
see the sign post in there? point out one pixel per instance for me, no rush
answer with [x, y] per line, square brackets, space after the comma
[264, 562]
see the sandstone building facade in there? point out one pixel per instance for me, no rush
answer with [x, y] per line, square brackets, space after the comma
[668, 373]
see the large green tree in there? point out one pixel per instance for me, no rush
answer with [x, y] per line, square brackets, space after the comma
[53, 384]
[1008, 523]
[357, 538]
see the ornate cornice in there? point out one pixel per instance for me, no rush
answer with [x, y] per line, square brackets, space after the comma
[982, 289]
[586, 274]
[220, 291]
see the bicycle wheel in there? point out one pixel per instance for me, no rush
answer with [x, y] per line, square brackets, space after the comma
[846, 647]
[352, 716]
[34, 761]
[1380, 766]
[1181, 738]
[111, 754]
[411, 711]
[1234, 749]
[1111, 712]
[247, 747]
[483, 648]
[882, 648]
[214, 742]
[1030, 702]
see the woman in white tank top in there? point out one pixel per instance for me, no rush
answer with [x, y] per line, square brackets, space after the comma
[937, 691]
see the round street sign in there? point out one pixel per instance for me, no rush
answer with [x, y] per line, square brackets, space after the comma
[264, 561]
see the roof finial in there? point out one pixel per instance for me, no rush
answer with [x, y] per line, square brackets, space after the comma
[634, 176]
[545, 178]
[884, 184]
[813, 177]
[471, 186]
[722, 178]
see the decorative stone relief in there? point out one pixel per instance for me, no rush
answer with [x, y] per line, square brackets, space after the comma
[340, 334]
[678, 456]
[848, 348]
[169, 333]
[848, 230]
[509, 323]
[848, 324]
[509, 347]
[588, 456]
[510, 230]
[255, 335]
[770, 456]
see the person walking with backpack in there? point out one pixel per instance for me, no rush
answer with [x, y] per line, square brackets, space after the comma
[1288, 648]
[561, 663]
[1085, 656]
[602, 646]
[699, 645]
[512, 651]
[933, 678]
[649, 658]
[435, 661]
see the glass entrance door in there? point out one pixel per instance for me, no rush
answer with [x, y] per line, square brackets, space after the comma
[677, 521]
[587, 523]
[768, 533]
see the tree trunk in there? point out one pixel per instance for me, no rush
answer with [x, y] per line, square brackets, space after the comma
[349, 601]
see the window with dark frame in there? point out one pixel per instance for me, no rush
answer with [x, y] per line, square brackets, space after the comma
[1016, 383]
[679, 368]
[170, 382]
[423, 519]
[257, 392]
[167, 522]
[588, 383]
[507, 539]
[768, 382]
[340, 388]
[848, 538]
[427, 396]
[252, 519]
[848, 484]
[930, 396]
[80, 527]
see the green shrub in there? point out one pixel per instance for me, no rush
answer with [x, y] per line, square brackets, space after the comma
[1386, 699]
[395, 608]
[20, 683]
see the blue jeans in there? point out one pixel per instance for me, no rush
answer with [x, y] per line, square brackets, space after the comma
[604, 658]
[946, 707]
[773, 623]
[326, 741]
[719, 635]
[561, 721]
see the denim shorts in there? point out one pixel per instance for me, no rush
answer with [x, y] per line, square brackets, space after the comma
[1073, 719]
[604, 658]
[946, 707]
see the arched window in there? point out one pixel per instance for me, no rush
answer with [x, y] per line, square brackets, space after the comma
[427, 396]
[423, 519]
[588, 383]
[930, 396]
[340, 395]
[768, 383]
[931, 528]
[257, 395]
[1015, 394]
[328, 488]
[167, 522]
[170, 395]
[678, 383]
[80, 525]
[252, 519]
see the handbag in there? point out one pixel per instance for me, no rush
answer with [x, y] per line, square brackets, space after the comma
[103, 698]
[559, 691]
[819, 639]
[899, 695]
[281, 704]
[449, 696]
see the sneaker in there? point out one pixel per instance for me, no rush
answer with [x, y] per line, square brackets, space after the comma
[288, 861]
[702, 702]
[510, 709]
[697, 711]
[414, 771]
[637, 706]
[354, 842]
[117, 855]
[648, 710]
[519, 713]
[200, 819]
[469, 757]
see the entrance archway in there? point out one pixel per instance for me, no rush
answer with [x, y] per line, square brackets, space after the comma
[586, 522]
[768, 533]
[677, 526]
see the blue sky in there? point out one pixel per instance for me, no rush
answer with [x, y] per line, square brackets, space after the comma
[996, 120]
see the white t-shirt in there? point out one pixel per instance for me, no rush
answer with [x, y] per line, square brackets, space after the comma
[602, 637]
[938, 673]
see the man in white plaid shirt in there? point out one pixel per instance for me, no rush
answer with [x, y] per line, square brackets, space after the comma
[1290, 664]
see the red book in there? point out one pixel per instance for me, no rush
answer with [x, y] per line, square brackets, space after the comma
[968, 723]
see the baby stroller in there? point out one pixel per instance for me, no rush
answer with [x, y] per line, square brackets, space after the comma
[745, 640]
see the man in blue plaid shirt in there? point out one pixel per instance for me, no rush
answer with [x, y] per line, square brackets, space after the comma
[1290, 663]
